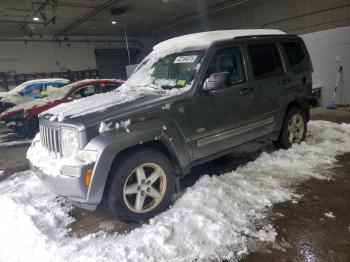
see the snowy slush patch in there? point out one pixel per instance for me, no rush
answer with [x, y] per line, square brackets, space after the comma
[212, 220]
[329, 215]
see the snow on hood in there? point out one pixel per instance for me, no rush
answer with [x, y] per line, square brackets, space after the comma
[101, 102]
[138, 85]
[219, 218]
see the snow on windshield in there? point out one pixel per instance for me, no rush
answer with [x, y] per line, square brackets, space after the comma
[160, 73]
[219, 218]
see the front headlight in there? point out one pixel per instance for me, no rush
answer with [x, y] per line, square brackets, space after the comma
[70, 142]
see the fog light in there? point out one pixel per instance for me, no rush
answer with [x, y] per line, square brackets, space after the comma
[88, 174]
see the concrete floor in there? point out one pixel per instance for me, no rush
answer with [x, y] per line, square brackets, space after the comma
[304, 233]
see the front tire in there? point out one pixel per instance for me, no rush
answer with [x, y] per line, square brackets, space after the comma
[293, 130]
[142, 186]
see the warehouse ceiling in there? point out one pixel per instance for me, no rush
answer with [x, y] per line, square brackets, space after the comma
[94, 17]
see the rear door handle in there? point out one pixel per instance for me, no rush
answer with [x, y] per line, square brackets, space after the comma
[245, 91]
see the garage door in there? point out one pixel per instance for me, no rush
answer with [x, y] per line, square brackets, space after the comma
[111, 63]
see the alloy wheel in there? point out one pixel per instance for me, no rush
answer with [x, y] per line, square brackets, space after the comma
[144, 188]
[295, 129]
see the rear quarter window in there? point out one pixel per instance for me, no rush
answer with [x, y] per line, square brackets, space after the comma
[296, 55]
[265, 60]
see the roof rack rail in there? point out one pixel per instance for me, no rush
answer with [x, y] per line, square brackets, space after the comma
[264, 36]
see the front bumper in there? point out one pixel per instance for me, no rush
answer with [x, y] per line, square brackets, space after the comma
[71, 184]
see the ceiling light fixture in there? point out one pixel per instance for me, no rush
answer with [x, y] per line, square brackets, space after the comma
[36, 19]
[114, 22]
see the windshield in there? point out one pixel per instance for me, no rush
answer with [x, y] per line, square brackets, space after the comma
[174, 71]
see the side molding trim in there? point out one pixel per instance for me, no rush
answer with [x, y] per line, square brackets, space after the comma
[234, 132]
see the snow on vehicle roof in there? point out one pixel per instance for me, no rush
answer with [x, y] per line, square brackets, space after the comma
[204, 39]
[46, 80]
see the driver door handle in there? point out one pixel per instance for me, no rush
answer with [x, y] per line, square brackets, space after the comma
[245, 91]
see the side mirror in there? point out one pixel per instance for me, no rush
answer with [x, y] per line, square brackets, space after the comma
[217, 81]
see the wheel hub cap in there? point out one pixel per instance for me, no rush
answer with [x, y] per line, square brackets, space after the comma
[295, 129]
[144, 188]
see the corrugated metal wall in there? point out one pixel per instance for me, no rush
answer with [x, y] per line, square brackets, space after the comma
[292, 16]
[329, 49]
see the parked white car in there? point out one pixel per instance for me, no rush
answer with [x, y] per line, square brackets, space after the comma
[28, 91]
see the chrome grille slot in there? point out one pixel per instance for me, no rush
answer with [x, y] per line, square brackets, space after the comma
[50, 139]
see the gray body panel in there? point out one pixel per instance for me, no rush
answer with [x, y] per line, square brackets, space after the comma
[197, 126]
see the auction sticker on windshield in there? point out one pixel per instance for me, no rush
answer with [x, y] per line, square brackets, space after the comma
[185, 59]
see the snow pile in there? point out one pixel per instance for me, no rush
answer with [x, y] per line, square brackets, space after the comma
[33, 221]
[213, 220]
[50, 165]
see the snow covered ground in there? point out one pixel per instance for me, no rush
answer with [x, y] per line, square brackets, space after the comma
[15, 142]
[213, 220]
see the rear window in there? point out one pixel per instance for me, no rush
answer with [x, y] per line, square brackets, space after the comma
[265, 59]
[297, 58]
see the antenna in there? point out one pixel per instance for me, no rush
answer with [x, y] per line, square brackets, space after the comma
[118, 12]
[127, 44]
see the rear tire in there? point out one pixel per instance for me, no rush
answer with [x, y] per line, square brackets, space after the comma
[142, 186]
[293, 130]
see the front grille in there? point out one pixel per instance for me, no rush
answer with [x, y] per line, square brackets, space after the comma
[50, 139]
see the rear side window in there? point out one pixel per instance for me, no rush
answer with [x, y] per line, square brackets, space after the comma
[265, 59]
[84, 91]
[297, 58]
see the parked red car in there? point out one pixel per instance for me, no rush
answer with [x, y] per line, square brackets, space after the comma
[23, 119]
